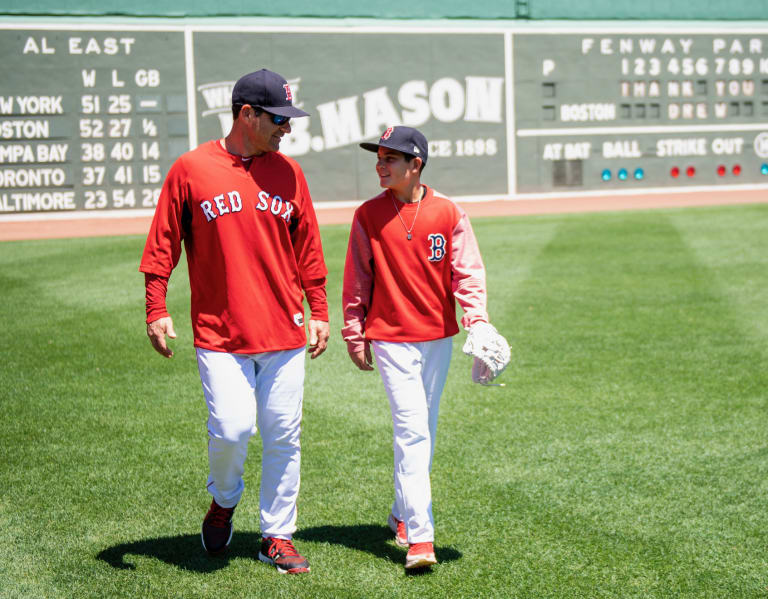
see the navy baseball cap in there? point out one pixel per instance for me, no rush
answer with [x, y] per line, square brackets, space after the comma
[403, 139]
[267, 90]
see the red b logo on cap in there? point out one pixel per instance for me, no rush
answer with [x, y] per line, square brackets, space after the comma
[387, 133]
[288, 96]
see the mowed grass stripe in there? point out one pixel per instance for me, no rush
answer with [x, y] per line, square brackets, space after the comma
[631, 418]
[624, 458]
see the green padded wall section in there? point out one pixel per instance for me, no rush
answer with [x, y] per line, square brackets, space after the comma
[650, 9]
[402, 9]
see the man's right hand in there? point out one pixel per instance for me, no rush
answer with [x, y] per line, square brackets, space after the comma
[157, 330]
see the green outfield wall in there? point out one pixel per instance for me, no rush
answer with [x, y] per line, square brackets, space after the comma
[94, 110]
[399, 9]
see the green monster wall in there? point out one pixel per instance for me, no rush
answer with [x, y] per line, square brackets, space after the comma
[94, 110]
[400, 9]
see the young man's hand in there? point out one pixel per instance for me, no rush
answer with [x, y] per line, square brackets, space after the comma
[362, 358]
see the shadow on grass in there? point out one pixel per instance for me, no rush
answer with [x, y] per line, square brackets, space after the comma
[186, 551]
[370, 538]
[183, 551]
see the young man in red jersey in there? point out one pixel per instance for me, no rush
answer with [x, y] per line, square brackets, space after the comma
[253, 248]
[411, 254]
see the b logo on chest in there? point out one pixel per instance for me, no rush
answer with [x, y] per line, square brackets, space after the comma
[436, 247]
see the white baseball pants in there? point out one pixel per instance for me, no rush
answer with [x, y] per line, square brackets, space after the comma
[414, 376]
[243, 390]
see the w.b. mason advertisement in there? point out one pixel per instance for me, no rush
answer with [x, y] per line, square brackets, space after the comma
[354, 86]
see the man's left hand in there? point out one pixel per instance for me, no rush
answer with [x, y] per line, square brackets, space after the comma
[319, 331]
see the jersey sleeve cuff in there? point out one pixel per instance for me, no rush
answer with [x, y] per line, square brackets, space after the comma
[317, 300]
[156, 290]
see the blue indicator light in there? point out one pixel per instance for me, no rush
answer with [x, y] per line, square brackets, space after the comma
[622, 174]
[764, 169]
[606, 176]
[639, 173]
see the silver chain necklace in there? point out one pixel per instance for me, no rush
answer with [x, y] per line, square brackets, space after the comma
[413, 224]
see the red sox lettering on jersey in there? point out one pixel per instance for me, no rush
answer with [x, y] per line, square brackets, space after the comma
[235, 205]
[275, 205]
[219, 207]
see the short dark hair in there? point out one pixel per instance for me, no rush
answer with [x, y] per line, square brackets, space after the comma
[409, 157]
[237, 107]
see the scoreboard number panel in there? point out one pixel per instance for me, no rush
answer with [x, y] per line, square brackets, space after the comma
[620, 111]
[89, 120]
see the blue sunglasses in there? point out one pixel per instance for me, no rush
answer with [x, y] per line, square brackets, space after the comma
[277, 119]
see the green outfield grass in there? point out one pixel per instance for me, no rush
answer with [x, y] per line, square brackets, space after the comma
[627, 455]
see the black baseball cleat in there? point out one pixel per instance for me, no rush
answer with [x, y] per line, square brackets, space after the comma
[283, 555]
[217, 529]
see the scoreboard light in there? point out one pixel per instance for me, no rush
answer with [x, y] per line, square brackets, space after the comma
[736, 169]
[690, 171]
[674, 172]
[606, 174]
[622, 174]
[721, 170]
[639, 174]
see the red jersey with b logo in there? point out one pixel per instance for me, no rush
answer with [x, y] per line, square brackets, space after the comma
[400, 289]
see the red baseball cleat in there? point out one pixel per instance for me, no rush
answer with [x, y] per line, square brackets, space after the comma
[398, 527]
[420, 555]
[283, 555]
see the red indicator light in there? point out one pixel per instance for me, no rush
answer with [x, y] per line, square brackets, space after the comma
[721, 170]
[690, 171]
[736, 169]
[675, 172]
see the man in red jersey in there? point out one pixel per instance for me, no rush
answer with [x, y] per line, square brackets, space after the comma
[253, 248]
[411, 253]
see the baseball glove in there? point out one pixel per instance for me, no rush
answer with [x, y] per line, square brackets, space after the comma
[490, 351]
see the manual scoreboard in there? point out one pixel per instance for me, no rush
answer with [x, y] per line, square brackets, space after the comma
[89, 121]
[604, 110]
[92, 115]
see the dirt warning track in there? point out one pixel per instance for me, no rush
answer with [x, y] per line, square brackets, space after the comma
[99, 227]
